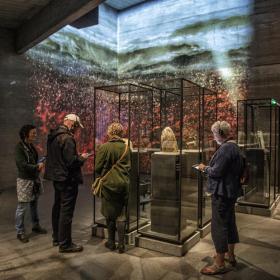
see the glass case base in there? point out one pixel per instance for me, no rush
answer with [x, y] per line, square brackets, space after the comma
[267, 212]
[101, 232]
[204, 230]
[166, 247]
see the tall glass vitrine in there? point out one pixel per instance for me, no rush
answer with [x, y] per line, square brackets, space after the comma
[178, 203]
[258, 137]
[137, 109]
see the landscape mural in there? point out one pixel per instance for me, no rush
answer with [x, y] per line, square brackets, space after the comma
[204, 41]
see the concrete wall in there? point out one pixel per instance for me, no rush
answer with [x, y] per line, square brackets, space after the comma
[264, 76]
[15, 105]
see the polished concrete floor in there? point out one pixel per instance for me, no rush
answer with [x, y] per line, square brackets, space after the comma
[258, 254]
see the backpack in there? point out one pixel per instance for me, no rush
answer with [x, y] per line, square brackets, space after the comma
[244, 176]
[245, 168]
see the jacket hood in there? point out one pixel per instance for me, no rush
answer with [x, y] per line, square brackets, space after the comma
[59, 130]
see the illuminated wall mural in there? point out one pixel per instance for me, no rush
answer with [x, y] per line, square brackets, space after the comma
[205, 41]
[67, 66]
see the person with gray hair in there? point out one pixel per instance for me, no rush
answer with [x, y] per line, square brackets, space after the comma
[221, 131]
[63, 167]
[224, 173]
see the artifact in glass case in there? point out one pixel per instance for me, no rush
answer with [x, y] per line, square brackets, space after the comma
[168, 140]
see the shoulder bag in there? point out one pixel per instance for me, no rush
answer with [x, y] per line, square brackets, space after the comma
[97, 185]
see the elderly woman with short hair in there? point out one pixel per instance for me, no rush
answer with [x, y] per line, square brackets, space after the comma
[113, 159]
[224, 172]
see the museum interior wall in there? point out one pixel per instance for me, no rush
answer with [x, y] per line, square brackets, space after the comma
[264, 60]
[16, 104]
[207, 42]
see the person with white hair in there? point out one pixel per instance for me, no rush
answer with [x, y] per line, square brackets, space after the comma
[224, 173]
[63, 167]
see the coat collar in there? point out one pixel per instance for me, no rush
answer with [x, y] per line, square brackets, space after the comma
[116, 138]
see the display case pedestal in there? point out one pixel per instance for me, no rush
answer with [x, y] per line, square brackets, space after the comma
[165, 204]
[205, 230]
[177, 250]
[102, 232]
[260, 211]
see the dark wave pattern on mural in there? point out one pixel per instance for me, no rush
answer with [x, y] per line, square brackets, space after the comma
[181, 37]
[87, 52]
[78, 56]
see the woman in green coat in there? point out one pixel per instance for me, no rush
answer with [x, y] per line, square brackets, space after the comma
[114, 157]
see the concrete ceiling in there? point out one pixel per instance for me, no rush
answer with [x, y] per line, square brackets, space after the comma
[34, 20]
[123, 4]
[15, 12]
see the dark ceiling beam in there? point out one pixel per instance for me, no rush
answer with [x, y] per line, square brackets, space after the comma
[50, 19]
[89, 19]
[7, 38]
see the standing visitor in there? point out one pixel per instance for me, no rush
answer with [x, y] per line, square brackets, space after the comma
[224, 173]
[113, 165]
[28, 181]
[63, 167]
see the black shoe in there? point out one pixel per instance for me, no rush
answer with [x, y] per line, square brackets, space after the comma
[55, 243]
[121, 249]
[22, 237]
[73, 248]
[38, 229]
[110, 245]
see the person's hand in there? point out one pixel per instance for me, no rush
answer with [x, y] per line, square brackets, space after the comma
[85, 156]
[201, 167]
[40, 166]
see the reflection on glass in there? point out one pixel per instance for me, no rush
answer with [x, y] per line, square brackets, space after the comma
[258, 137]
[176, 204]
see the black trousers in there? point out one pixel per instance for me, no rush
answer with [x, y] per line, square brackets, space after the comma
[62, 212]
[223, 225]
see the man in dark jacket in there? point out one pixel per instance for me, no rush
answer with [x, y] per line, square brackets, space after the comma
[224, 172]
[63, 167]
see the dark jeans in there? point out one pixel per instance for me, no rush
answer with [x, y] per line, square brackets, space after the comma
[223, 225]
[62, 212]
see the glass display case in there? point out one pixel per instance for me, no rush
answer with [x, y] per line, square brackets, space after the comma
[258, 137]
[136, 108]
[175, 201]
